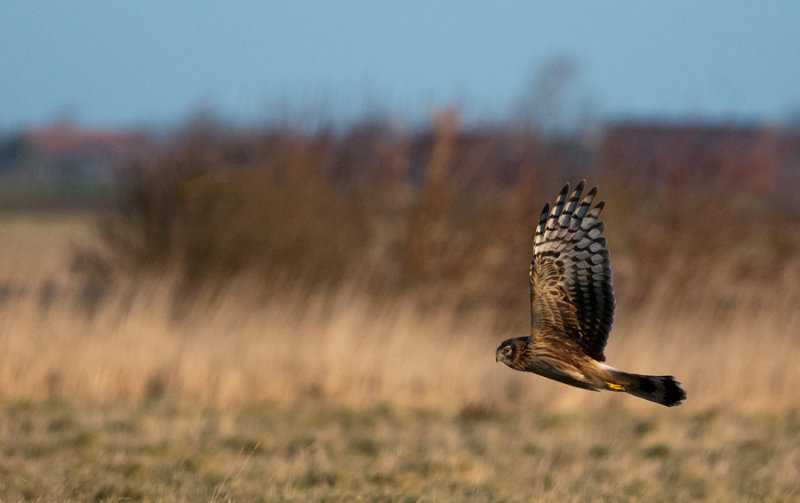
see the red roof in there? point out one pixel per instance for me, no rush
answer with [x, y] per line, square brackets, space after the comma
[65, 139]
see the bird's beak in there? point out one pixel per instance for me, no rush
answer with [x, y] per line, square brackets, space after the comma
[497, 357]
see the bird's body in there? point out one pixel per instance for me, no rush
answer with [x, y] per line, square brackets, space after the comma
[572, 306]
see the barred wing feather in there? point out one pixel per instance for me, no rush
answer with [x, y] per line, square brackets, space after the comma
[571, 292]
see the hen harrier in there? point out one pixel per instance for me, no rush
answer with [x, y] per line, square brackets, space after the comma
[572, 306]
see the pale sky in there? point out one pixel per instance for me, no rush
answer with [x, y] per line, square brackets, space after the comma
[151, 63]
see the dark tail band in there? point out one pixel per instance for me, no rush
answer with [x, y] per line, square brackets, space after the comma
[664, 390]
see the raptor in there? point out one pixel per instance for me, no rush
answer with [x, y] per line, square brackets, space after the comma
[572, 305]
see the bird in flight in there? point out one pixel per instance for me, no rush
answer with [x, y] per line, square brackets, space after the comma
[572, 306]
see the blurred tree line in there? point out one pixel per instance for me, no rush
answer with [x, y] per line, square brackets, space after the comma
[446, 213]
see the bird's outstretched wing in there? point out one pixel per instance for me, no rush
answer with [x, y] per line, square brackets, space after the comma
[571, 292]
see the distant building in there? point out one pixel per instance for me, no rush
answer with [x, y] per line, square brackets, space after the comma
[69, 154]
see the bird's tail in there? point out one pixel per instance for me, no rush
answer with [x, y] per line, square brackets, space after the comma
[659, 389]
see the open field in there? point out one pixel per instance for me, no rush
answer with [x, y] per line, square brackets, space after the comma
[338, 397]
[322, 451]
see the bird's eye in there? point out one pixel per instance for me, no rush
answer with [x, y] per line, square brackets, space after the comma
[507, 350]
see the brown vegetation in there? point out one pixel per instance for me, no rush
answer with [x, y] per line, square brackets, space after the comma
[374, 271]
[391, 212]
[392, 262]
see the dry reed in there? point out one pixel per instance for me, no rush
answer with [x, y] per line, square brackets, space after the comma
[385, 266]
[343, 346]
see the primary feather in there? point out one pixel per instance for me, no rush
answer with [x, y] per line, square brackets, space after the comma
[571, 273]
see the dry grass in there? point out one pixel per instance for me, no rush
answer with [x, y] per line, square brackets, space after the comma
[285, 315]
[316, 451]
[227, 348]
[339, 396]
[355, 351]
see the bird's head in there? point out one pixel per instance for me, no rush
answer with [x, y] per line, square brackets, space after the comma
[510, 351]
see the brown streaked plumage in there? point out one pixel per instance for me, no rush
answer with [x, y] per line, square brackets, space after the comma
[572, 306]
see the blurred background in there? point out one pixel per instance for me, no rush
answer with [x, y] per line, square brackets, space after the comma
[226, 203]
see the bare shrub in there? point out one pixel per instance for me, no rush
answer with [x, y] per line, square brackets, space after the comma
[443, 214]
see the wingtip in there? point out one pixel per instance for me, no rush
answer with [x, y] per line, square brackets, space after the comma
[544, 214]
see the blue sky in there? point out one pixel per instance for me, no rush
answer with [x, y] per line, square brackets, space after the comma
[153, 63]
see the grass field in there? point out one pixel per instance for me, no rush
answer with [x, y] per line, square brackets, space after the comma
[340, 397]
[322, 451]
